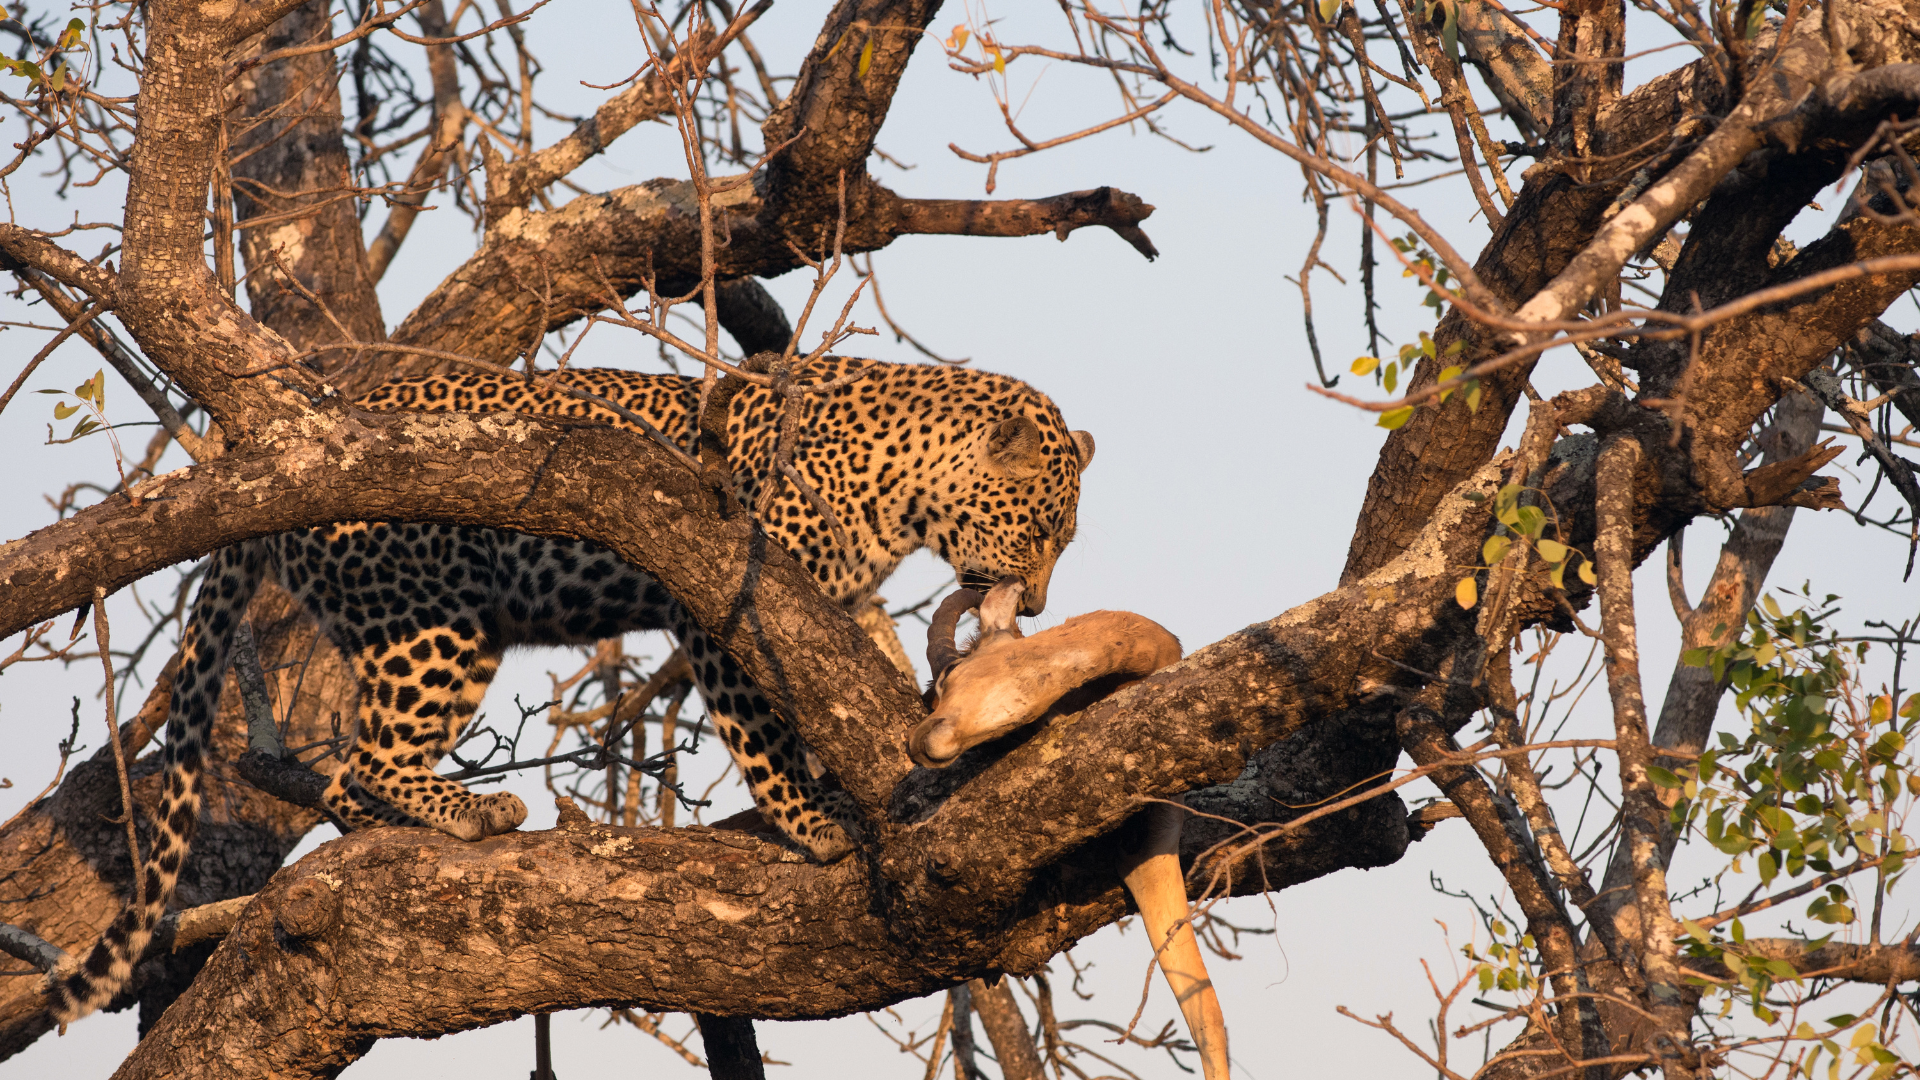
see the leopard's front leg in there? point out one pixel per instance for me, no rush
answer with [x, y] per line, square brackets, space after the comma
[768, 751]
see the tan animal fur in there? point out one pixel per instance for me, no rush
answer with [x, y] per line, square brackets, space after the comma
[1006, 680]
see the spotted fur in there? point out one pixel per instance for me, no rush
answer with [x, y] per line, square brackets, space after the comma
[977, 466]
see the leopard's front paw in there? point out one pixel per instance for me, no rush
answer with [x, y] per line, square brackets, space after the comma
[827, 842]
[488, 815]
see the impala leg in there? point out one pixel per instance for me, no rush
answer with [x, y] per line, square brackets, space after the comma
[1152, 874]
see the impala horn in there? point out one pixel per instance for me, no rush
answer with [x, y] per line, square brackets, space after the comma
[942, 653]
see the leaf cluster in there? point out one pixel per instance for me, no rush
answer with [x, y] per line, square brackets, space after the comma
[93, 398]
[1527, 525]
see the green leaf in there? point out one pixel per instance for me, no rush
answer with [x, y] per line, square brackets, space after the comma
[1394, 418]
[1531, 520]
[49, 391]
[1328, 9]
[1664, 777]
[1450, 32]
[1495, 549]
[1473, 394]
[62, 410]
[1586, 572]
[1551, 550]
[1557, 576]
[1448, 373]
[1391, 378]
[866, 60]
[1700, 657]
[1829, 912]
[1364, 365]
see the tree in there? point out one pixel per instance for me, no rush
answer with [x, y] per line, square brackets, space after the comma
[1459, 548]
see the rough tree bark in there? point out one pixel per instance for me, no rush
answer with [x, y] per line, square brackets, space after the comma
[726, 924]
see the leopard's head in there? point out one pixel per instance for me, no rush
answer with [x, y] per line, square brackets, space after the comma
[1014, 496]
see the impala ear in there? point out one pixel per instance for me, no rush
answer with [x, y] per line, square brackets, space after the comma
[1083, 441]
[1015, 447]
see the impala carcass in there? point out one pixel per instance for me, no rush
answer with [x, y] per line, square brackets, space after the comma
[1005, 680]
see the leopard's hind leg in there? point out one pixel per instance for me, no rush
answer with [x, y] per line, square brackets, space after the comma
[417, 692]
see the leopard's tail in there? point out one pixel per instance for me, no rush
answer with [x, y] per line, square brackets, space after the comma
[85, 981]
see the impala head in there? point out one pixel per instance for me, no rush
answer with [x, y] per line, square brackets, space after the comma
[1004, 680]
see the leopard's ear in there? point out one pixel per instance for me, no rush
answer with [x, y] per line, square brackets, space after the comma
[1083, 442]
[1016, 447]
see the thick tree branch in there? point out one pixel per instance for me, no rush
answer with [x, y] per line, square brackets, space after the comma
[1551, 222]
[167, 297]
[1642, 816]
[653, 229]
[834, 111]
[1060, 215]
[74, 855]
[26, 248]
[1513, 68]
[1693, 694]
[288, 139]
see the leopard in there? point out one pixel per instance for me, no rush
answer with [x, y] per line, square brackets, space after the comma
[976, 466]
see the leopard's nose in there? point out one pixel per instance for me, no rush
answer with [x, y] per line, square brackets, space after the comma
[1033, 599]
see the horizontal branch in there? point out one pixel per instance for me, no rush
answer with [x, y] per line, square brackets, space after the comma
[652, 230]
[23, 248]
[1885, 965]
[1060, 215]
[693, 919]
